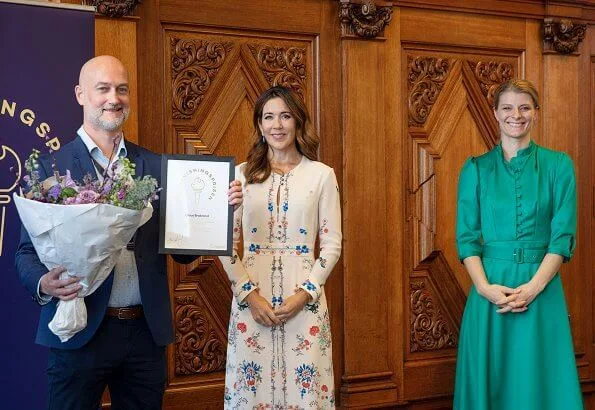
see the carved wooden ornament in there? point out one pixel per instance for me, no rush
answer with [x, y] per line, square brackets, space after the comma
[197, 347]
[194, 64]
[282, 66]
[426, 79]
[490, 74]
[562, 36]
[115, 8]
[429, 329]
[363, 18]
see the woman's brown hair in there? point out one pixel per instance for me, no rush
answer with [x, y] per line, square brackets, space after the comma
[257, 167]
[518, 86]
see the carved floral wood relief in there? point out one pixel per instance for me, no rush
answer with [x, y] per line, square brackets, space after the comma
[210, 79]
[429, 329]
[197, 348]
[194, 65]
[451, 85]
[490, 74]
[426, 79]
[282, 66]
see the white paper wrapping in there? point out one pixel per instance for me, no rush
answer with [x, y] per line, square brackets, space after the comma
[86, 239]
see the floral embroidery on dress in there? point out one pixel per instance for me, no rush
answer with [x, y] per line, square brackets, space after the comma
[253, 344]
[312, 307]
[303, 345]
[249, 261]
[322, 262]
[233, 330]
[306, 376]
[309, 285]
[323, 227]
[249, 376]
[322, 333]
[248, 285]
[301, 249]
[289, 366]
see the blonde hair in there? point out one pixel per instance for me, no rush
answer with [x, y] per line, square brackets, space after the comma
[518, 86]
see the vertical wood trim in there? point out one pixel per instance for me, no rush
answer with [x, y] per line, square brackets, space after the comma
[117, 37]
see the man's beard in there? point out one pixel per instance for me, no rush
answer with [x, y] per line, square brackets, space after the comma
[109, 125]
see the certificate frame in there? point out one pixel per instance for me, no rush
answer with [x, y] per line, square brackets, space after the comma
[186, 207]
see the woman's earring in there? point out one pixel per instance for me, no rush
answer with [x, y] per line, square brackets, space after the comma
[263, 140]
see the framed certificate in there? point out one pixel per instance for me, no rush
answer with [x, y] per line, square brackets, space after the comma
[196, 218]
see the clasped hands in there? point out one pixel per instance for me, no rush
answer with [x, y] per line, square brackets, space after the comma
[264, 313]
[507, 299]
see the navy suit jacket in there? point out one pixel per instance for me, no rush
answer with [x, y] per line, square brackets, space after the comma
[152, 273]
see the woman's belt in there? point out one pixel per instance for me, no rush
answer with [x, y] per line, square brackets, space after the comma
[277, 249]
[514, 254]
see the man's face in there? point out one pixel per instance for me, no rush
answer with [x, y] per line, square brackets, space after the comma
[103, 92]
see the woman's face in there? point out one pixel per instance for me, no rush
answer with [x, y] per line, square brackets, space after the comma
[515, 114]
[278, 125]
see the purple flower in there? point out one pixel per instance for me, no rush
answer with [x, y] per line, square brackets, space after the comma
[67, 181]
[70, 201]
[107, 187]
[86, 197]
[121, 194]
[54, 192]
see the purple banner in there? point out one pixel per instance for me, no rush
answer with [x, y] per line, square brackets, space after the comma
[42, 49]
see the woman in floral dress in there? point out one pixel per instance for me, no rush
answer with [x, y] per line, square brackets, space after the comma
[279, 352]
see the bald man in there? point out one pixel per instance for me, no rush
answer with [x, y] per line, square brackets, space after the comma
[128, 316]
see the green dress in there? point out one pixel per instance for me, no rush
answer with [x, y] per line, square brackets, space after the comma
[511, 214]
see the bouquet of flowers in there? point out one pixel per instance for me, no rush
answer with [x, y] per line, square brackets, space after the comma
[83, 227]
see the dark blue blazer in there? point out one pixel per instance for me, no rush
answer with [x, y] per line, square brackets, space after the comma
[152, 273]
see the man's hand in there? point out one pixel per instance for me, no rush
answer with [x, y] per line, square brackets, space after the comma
[64, 289]
[234, 194]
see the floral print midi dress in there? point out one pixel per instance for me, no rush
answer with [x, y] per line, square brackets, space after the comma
[287, 366]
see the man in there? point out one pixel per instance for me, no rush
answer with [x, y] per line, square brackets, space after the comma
[129, 318]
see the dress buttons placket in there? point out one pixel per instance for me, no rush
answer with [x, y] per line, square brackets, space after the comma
[519, 205]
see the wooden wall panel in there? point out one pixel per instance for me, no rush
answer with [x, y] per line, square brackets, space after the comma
[212, 79]
[118, 38]
[454, 123]
[367, 377]
[397, 164]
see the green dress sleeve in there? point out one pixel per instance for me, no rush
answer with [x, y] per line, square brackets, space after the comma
[563, 225]
[468, 230]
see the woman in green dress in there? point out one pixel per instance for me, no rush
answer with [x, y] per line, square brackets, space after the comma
[516, 223]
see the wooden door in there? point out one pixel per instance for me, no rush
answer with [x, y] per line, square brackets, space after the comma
[212, 62]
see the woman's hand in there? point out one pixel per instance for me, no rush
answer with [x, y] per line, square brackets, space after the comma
[500, 296]
[235, 196]
[525, 294]
[262, 311]
[292, 305]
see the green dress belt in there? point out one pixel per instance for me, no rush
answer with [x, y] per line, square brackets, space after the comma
[514, 254]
